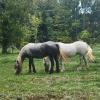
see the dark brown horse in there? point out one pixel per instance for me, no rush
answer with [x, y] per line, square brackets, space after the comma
[38, 50]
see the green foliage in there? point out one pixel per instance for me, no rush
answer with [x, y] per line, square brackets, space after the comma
[85, 35]
[34, 24]
[23, 21]
[60, 36]
[11, 24]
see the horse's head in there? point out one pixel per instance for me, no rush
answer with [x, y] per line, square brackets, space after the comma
[17, 67]
[46, 63]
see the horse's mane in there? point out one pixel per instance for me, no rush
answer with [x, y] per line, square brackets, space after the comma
[19, 57]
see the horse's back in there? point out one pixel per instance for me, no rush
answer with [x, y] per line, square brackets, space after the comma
[31, 49]
[81, 47]
[51, 48]
[68, 48]
[40, 50]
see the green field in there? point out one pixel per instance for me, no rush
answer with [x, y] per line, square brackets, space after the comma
[68, 85]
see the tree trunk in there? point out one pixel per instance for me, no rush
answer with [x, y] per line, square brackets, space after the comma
[4, 49]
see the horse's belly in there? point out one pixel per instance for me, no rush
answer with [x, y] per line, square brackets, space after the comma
[35, 53]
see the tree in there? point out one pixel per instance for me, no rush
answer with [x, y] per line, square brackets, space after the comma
[85, 35]
[14, 19]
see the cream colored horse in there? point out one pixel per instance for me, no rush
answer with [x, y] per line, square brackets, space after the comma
[80, 48]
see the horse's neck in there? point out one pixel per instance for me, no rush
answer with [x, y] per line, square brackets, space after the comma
[19, 58]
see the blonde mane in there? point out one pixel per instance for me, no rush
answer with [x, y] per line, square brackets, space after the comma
[19, 59]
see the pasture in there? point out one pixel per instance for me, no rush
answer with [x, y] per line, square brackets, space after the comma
[68, 85]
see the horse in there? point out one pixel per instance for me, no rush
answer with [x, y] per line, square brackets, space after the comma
[38, 50]
[46, 63]
[80, 48]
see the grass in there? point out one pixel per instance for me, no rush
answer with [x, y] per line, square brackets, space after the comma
[68, 85]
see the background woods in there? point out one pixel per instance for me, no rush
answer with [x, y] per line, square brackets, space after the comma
[23, 21]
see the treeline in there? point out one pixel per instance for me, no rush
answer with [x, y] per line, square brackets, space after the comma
[23, 21]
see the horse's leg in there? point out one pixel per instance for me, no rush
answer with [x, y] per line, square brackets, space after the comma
[52, 64]
[62, 64]
[57, 64]
[85, 61]
[34, 70]
[81, 61]
[30, 63]
[46, 64]
[63, 67]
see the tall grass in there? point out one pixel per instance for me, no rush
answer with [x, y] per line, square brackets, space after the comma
[68, 85]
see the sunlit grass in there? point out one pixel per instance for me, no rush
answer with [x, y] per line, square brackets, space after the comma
[68, 85]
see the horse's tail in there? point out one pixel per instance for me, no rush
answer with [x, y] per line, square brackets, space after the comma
[58, 52]
[89, 54]
[62, 55]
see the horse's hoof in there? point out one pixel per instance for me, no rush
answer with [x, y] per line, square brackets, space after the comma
[19, 98]
[57, 71]
[50, 72]
[29, 72]
[46, 70]
[34, 71]
[79, 68]
[87, 68]
[62, 70]
[16, 73]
